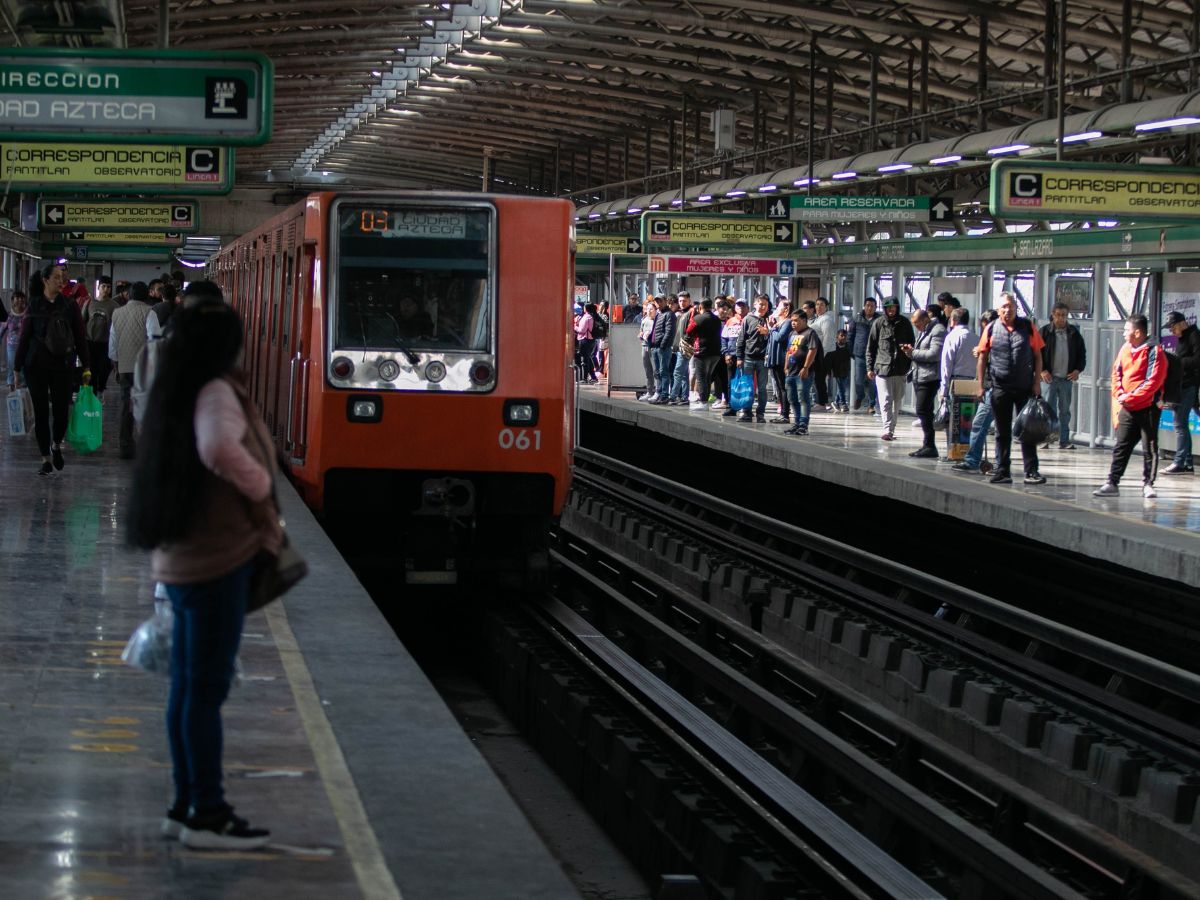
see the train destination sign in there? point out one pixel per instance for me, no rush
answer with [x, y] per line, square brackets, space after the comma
[135, 96]
[1070, 190]
[604, 244]
[118, 215]
[842, 208]
[717, 265]
[661, 231]
[104, 168]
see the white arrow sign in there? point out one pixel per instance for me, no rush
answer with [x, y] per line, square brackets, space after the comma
[783, 233]
[55, 214]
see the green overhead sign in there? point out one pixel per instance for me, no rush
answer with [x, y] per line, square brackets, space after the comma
[843, 208]
[135, 96]
[110, 253]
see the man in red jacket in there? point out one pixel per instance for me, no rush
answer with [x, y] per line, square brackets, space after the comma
[1137, 378]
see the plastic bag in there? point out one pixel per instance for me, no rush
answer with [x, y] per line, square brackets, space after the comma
[1035, 422]
[85, 428]
[149, 647]
[741, 392]
[942, 417]
[20, 413]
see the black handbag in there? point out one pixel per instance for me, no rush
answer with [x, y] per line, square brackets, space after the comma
[274, 573]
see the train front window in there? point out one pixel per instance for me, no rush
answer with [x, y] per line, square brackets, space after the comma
[413, 278]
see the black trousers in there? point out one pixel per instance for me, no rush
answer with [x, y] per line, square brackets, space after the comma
[101, 365]
[1006, 403]
[780, 382]
[926, 393]
[721, 379]
[50, 391]
[127, 444]
[821, 383]
[1132, 426]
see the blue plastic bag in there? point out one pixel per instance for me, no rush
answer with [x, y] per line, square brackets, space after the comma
[741, 392]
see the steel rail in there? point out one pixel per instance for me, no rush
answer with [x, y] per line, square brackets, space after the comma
[1180, 738]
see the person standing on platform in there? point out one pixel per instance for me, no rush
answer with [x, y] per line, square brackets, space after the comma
[860, 333]
[948, 302]
[10, 331]
[1137, 378]
[983, 408]
[801, 365]
[958, 362]
[126, 338]
[51, 337]
[645, 329]
[887, 365]
[1010, 354]
[201, 501]
[682, 381]
[1187, 349]
[662, 339]
[926, 354]
[1063, 358]
[97, 320]
[731, 330]
[826, 326]
[752, 356]
[777, 344]
[704, 330]
[837, 361]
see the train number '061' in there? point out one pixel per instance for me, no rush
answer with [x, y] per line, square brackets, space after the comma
[520, 439]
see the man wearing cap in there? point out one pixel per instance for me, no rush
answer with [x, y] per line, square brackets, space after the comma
[948, 302]
[1010, 354]
[126, 338]
[1187, 349]
[887, 364]
[1063, 358]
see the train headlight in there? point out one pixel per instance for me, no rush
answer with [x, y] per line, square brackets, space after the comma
[389, 370]
[435, 371]
[364, 408]
[482, 372]
[341, 367]
[521, 413]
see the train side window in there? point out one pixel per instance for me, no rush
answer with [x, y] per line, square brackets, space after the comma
[289, 297]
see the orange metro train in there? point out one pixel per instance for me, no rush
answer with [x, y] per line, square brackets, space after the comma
[412, 355]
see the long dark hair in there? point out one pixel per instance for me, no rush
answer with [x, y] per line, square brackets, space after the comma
[37, 281]
[168, 480]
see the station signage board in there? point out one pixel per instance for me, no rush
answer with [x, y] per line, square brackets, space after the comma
[1046, 189]
[125, 168]
[118, 215]
[604, 244]
[135, 96]
[108, 252]
[843, 208]
[718, 265]
[663, 231]
[129, 238]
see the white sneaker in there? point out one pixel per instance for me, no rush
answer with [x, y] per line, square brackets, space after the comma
[649, 398]
[697, 405]
[1148, 491]
[1108, 490]
[720, 404]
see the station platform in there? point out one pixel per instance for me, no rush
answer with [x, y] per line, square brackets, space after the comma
[1158, 537]
[334, 738]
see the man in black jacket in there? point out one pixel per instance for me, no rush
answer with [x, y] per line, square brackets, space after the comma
[662, 340]
[705, 330]
[1063, 358]
[887, 365]
[1187, 349]
[752, 354]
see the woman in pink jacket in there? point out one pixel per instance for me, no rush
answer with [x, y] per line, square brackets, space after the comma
[202, 502]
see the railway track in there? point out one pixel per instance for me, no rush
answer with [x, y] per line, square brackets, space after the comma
[773, 701]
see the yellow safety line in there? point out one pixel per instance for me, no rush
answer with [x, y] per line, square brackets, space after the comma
[370, 868]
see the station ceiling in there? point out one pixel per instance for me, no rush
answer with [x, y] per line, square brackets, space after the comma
[566, 95]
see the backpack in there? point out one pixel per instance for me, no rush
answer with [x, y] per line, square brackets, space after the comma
[98, 324]
[59, 339]
[1172, 389]
[599, 327]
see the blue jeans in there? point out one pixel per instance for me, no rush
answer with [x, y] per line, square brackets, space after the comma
[1059, 393]
[1183, 436]
[979, 431]
[841, 385]
[863, 386]
[679, 377]
[10, 351]
[662, 371]
[204, 645]
[757, 369]
[800, 396]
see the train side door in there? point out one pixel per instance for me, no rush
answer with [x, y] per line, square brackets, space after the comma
[300, 352]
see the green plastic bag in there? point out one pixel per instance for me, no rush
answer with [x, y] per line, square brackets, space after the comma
[85, 430]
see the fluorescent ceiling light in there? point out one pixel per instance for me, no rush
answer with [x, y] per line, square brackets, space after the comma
[677, 203]
[894, 167]
[945, 160]
[805, 182]
[593, 215]
[1008, 148]
[614, 213]
[764, 188]
[634, 209]
[841, 176]
[655, 206]
[1082, 136]
[1167, 123]
[704, 198]
[735, 194]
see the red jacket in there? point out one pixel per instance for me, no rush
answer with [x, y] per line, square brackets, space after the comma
[1138, 375]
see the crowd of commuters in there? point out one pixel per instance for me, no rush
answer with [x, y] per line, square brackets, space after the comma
[803, 359]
